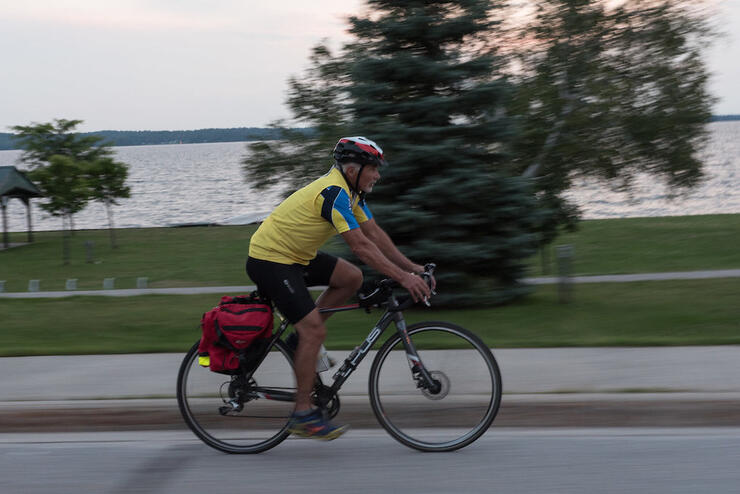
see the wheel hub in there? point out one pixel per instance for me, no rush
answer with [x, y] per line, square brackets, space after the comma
[441, 386]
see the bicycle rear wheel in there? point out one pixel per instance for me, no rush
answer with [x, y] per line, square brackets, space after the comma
[258, 418]
[460, 412]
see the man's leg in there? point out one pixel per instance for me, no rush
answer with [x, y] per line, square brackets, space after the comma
[312, 333]
[345, 280]
[342, 279]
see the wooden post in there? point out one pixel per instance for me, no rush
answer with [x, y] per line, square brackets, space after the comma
[28, 218]
[6, 238]
[565, 284]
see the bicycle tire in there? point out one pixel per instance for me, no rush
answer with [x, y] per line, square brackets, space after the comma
[464, 408]
[199, 397]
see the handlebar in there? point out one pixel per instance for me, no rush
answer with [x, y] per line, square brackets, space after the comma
[383, 290]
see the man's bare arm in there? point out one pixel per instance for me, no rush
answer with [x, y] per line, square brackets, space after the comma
[369, 253]
[381, 239]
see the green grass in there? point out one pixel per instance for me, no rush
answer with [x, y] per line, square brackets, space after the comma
[213, 256]
[646, 245]
[697, 312]
[650, 313]
[169, 257]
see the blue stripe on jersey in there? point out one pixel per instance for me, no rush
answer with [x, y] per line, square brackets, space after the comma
[330, 195]
[365, 209]
[343, 205]
[336, 199]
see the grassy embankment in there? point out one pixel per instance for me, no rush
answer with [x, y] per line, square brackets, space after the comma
[646, 313]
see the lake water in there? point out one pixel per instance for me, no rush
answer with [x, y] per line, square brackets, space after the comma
[203, 183]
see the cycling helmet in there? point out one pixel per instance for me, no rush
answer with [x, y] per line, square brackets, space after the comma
[360, 150]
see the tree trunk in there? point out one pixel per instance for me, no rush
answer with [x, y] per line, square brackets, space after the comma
[534, 169]
[111, 228]
[65, 238]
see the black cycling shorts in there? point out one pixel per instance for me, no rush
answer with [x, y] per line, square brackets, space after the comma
[286, 284]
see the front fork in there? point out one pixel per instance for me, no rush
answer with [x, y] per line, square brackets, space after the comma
[419, 373]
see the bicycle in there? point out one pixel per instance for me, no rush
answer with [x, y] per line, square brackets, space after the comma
[444, 404]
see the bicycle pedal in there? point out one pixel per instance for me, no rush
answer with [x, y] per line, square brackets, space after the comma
[231, 406]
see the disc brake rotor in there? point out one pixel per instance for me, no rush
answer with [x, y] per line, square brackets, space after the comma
[444, 386]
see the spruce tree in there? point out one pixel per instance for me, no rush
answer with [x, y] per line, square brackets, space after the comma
[425, 88]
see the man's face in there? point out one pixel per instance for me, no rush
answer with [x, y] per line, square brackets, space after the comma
[370, 175]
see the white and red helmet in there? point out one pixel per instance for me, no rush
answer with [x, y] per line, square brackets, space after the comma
[360, 150]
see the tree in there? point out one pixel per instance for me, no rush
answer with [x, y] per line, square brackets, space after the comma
[106, 180]
[42, 141]
[427, 87]
[609, 93]
[420, 81]
[71, 170]
[65, 190]
[602, 91]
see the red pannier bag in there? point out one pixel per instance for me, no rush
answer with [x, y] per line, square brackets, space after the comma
[231, 329]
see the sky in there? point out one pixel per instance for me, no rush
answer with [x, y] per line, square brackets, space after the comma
[191, 64]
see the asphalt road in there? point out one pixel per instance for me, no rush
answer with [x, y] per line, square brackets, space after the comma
[504, 460]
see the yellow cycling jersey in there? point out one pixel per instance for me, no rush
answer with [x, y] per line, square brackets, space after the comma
[305, 220]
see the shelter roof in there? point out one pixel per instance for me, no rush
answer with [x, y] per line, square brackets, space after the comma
[14, 183]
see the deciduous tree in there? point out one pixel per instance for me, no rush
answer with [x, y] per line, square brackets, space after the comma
[106, 179]
[71, 170]
[611, 90]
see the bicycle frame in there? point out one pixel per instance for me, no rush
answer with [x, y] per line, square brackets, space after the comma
[353, 360]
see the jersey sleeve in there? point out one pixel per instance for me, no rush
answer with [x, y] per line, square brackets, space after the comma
[337, 209]
[362, 212]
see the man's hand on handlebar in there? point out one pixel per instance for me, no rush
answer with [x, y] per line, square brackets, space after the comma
[416, 286]
[421, 283]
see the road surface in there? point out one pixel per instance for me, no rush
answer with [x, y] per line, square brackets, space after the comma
[654, 460]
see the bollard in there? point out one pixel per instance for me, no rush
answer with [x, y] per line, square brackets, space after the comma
[89, 254]
[141, 282]
[2, 286]
[71, 284]
[108, 283]
[565, 284]
[34, 285]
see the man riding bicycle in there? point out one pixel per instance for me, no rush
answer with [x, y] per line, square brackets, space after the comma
[284, 260]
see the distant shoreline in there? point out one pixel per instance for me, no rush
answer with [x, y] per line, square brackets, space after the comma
[156, 137]
[724, 118]
[201, 136]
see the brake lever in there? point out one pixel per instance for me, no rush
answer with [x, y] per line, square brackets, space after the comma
[427, 275]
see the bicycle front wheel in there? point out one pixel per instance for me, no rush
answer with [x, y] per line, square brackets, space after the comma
[235, 416]
[463, 407]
